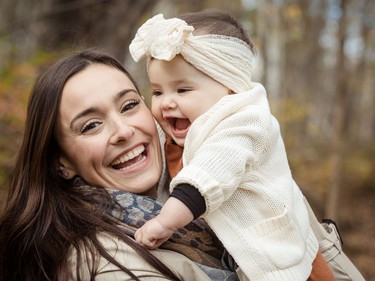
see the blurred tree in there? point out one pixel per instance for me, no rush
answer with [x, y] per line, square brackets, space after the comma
[340, 117]
[315, 58]
[271, 30]
[365, 73]
[72, 24]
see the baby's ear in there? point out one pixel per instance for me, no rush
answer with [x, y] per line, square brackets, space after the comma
[66, 169]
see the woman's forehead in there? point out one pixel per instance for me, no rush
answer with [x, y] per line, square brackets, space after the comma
[96, 81]
[94, 88]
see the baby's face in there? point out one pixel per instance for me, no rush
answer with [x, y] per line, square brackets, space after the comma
[180, 94]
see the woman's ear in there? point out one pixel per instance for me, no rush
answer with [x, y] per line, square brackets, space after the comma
[65, 168]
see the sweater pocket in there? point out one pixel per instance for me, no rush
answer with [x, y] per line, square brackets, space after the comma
[280, 240]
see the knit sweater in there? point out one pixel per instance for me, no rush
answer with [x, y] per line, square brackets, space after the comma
[235, 156]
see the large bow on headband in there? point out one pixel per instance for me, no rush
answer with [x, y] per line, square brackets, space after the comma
[225, 59]
[160, 38]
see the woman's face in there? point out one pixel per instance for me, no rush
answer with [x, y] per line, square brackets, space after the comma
[106, 133]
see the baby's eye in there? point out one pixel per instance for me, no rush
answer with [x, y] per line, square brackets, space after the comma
[182, 90]
[128, 105]
[156, 92]
[90, 125]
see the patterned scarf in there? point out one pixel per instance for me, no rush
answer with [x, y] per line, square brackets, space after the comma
[195, 241]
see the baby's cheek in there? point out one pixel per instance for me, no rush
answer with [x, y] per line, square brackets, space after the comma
[157, 114]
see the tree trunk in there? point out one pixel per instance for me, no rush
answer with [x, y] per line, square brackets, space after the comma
[339, 140]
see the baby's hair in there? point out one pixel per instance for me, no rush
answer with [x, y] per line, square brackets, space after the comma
[216, 22]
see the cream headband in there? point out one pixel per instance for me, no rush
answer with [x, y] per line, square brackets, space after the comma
[226, 59]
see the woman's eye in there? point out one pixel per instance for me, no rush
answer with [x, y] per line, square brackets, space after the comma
[128, 105]
[90, 125]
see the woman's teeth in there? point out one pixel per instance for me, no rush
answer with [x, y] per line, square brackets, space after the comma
[129, 159]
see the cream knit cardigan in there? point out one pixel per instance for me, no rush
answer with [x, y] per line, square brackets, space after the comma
[235, 156]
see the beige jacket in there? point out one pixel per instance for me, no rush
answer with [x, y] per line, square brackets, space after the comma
[179, 264]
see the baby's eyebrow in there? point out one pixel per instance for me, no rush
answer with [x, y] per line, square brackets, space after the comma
[180, 81]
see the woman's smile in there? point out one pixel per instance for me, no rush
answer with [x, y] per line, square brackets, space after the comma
[130, 159]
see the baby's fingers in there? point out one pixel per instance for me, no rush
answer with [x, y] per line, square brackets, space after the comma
[143, 239]
[158, 242]
[138, 236]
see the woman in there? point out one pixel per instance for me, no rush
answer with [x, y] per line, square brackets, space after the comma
[86, 119]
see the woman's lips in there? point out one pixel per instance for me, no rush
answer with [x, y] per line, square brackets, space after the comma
[130, 159]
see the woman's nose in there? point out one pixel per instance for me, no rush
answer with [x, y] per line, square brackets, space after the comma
[121, 132]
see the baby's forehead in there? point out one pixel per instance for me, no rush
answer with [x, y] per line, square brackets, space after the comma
[176, 60]
[202, 31]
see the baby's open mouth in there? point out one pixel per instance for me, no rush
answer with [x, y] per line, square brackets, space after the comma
[179, 124]
[130, 159]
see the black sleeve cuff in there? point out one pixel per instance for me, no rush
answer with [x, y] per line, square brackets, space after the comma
[191, 197]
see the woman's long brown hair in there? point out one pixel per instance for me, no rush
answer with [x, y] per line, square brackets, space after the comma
[45, 215]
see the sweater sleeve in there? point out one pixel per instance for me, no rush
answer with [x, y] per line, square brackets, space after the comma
[233, 142]
[191, 197]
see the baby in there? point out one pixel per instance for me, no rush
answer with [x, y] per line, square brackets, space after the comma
[235, 170]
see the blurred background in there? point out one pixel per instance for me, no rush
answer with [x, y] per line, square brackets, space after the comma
[316, 59]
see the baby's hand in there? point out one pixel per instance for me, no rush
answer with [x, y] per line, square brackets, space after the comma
[173, 214]
[152, 234]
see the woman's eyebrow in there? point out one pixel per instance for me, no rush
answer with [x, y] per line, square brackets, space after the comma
[122, 93]
[82, 114]
[90, 110]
